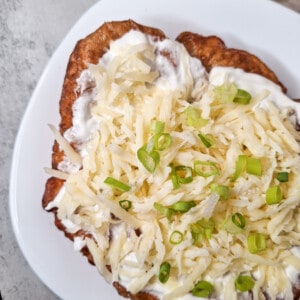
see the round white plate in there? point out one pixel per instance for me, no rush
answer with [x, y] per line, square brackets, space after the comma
[262, 27]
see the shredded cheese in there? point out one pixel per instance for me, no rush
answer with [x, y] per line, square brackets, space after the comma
[136, 83]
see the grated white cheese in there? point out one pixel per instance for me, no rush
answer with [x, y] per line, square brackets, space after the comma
[135, 83]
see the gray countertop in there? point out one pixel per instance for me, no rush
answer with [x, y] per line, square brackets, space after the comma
[30, 31]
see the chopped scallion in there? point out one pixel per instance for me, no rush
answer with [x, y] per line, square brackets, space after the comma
[206, 139]
[203, 289]
[165, 211]
[201, 230]
[149, 160]
[184, 174]
[164, 272]
[225, 93]
[221, 190]
[183, 206]
[157, 127]
[249, 164]
[242, 97]
[228, 92]
[273, 195]
[117, 184]
[244, 283]
[283, 176]
[174, 177]
[205, 168]
[253, 166]
[193, 117]
[176, 237]
[234, 224]
[161, 141]
[239, 220]
[125, 204]
[256, 242]
[240, 166]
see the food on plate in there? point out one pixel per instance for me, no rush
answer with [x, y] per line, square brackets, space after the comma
[176, 167]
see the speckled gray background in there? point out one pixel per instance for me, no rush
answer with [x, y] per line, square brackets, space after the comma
[30, 31]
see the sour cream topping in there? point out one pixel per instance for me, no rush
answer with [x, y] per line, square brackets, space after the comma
[141, 79]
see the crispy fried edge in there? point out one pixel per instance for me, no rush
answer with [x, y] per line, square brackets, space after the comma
[88, 51]
[212, 51]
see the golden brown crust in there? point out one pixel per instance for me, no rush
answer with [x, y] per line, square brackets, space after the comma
[212, 51]
[88, 50]
[139, 296]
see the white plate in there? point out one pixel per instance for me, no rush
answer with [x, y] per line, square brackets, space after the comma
[262, 27]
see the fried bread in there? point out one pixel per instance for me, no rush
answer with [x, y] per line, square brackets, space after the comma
[211, 51]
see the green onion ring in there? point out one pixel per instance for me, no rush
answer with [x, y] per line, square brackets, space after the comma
[193, 117]
[176, 237]
[221, 190]
[273, 195]
[149, 160]
[203, 289]
[125, 204]
[183, 206]
[239, 220]
[242, 97]
[164, 272]
[244, 283]
[206, 139]
[157, 127]
[117, 184]
[253, 166]
[256, 242]
[240, 166]
[201, 166]
[165, 211]
[161, 141]
[184, 174]
[283, 176]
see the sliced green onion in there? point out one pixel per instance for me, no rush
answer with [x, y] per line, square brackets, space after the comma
[283, 176]
[203, 228]
[244, 283]
[225, 93]
[161, 141]
[184, 174]
[174, 177]
[240, 167]
[198, 233]
[253, 166]
[164, 272]
[176, 237]
[239, 220]
[221, 190]
[206, 139]
[273, 195]
[117, 184]
[256, 242]
[125, 204]
[234, 224]
[193, 117]
[242, 97]
[165, 211]
[157, 127]
[183, 206]
[228, 92]
[149, 160]
[203, 289]
[205, 168]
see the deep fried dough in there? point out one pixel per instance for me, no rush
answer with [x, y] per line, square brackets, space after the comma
[210, 50]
